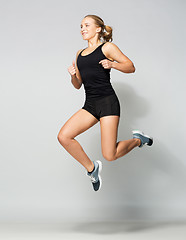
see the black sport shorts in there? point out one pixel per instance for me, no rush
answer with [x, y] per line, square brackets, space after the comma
[105, 106]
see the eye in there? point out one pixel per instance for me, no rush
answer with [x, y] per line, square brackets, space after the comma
[85, 25]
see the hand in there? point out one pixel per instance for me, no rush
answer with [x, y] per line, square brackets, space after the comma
[106, 63]
[72, 69]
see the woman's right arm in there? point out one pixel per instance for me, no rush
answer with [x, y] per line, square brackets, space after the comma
[75, 74]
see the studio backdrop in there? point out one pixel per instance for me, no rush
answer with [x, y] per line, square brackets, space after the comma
[39, 180]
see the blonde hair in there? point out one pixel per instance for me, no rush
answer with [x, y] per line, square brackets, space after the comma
[107, 34]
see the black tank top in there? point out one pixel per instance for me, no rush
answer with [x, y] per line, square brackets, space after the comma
[95, 78]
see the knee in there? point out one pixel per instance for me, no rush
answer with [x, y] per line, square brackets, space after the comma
[109, 157]
[63, 138]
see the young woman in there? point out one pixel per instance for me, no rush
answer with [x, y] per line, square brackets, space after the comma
[92, 69]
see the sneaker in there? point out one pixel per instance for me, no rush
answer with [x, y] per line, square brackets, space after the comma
[145, 140]
[94, 176]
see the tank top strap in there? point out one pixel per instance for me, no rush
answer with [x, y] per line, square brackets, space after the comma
[94, 49]
[102, 44]
[82, 51]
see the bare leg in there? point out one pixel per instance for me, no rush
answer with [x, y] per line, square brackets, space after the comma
[78, 123]
[123, 147]
[111, 149]
[73, 147]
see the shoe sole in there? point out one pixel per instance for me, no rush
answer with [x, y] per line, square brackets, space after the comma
[100, 169]
[142, 133]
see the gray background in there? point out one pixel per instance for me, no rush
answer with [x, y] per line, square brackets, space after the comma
[39, 180]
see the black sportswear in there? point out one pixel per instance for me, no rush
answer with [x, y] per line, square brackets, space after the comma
[101, 99]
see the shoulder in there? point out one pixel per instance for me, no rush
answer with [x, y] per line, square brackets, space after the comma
[112, 51]
[108, 48]
[78, 52]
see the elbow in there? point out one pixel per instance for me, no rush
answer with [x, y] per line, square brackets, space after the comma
[133, 69]
[79, 86]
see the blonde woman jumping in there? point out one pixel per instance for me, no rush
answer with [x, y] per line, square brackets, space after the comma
[92, 69]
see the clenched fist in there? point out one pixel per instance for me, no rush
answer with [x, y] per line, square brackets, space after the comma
[72, 69]
[106, 63]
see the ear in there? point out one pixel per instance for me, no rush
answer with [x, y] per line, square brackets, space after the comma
[98, 29]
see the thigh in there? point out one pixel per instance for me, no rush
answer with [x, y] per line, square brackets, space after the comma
[108, 106]
[90, 106]
[109, 132]
[78, 123]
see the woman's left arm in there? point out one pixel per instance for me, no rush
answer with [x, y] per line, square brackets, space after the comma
[123, 63]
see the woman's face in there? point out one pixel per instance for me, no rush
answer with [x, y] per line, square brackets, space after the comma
[88, 28]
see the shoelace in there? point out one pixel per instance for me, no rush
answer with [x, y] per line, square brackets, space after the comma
[92, 178]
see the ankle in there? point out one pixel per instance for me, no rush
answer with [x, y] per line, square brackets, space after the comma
[91, 167]
[138, 141]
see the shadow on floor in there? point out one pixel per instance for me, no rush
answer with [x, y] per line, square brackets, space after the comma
[121, 227]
